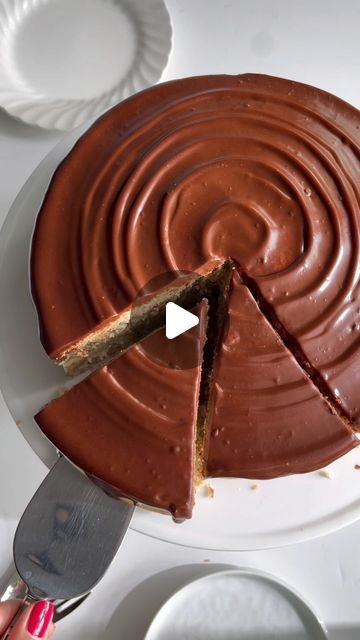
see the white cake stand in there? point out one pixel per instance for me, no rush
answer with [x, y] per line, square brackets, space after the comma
[242, 515]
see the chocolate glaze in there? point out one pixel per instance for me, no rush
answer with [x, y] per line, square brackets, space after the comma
[269, 419]
[264, 170]
[128, 426]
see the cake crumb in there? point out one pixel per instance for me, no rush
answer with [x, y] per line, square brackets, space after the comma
[210, 491]
[18, 423]
[357, 466]
[254, 487]
[326, 473]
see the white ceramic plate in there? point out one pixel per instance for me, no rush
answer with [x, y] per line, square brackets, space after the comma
[65, 61]
[280, 512]
[236, 605]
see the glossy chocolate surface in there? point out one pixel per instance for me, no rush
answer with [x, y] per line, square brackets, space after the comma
[264, 170]
[269, 419]
[129, 426]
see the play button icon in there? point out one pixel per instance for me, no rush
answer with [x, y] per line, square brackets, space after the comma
[178, 320]
[177, 341]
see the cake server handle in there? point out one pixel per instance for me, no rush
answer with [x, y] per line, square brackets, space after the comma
[13, 588]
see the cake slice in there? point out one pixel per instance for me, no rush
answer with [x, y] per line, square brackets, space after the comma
[82, 342]
[269, 418]
[131, 426]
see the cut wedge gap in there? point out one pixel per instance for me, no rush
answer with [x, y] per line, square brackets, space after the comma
[217, 316]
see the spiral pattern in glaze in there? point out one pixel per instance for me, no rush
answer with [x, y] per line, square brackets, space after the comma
[264, 170]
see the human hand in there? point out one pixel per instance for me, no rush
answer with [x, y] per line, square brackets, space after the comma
[35, 621]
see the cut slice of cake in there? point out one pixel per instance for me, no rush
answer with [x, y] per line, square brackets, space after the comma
[89, 349]
[269, 418]
[131, 426]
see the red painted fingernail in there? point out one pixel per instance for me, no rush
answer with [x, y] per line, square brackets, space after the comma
[40, 619]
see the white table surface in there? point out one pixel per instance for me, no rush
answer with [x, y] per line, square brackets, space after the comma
[316, 41]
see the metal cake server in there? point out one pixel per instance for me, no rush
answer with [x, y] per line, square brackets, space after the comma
[66, 538]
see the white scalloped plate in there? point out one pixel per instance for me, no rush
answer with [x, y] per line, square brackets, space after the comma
[65, 61]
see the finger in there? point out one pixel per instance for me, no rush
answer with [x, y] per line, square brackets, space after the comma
[34, 623]
[51, 631]
[7, 613]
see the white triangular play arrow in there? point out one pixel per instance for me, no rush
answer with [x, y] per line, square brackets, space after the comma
[178, 320]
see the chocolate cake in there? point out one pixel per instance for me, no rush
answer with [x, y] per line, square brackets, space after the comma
[185, 177]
